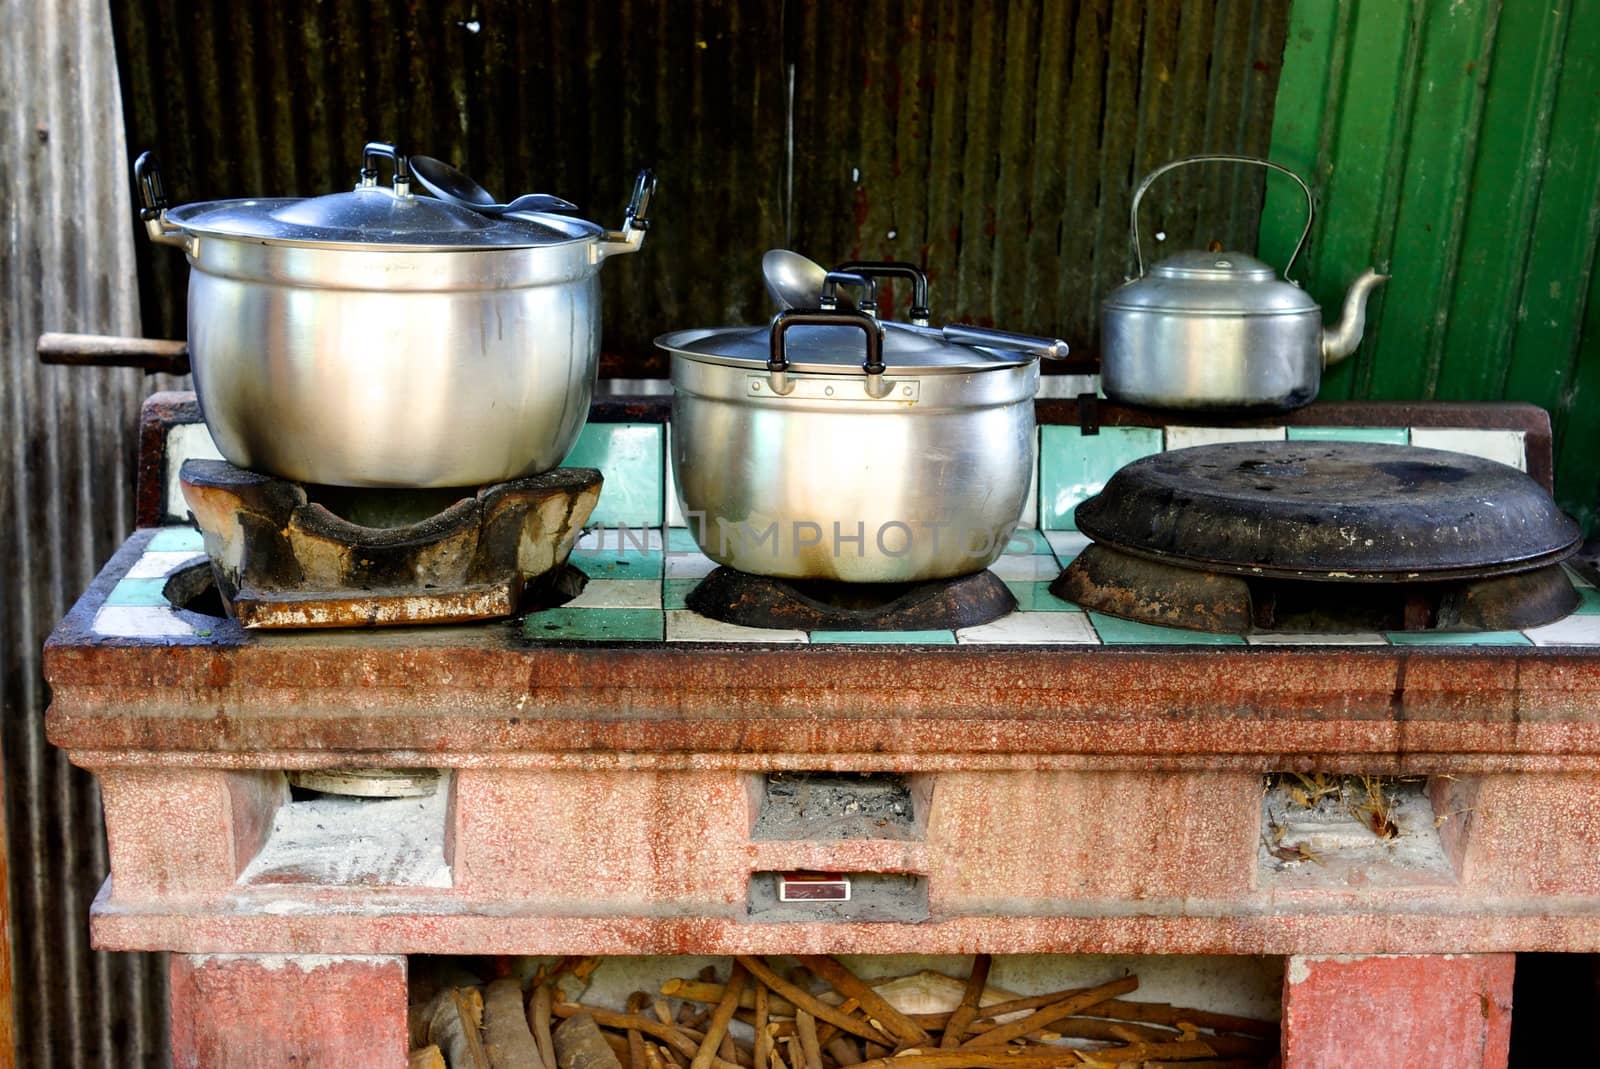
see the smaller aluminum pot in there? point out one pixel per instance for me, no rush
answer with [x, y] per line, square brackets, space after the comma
[835, 447]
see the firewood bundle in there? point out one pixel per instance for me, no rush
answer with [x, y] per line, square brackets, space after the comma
[820, 1015]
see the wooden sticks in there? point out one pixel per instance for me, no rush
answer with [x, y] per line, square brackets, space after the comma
[763, 1019]
[849, 985]
[811, 1004]
[1047, 1015]
[718, 1026]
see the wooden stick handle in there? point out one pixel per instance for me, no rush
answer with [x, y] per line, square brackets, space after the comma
[105, 350]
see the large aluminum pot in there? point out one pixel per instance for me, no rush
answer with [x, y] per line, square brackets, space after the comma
[377, 338]
[1221, 330]
[831, 446]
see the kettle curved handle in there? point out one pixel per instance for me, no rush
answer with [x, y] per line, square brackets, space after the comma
[1220, 157]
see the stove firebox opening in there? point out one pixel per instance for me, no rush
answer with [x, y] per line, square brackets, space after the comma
[806, 1011]
[1328, 830]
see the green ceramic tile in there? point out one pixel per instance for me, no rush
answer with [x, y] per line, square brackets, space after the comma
[1026, 541]
[887, 638]
[595, 625]
[1113, 629]
[1389, 435]
[674, 591]
[1588, 601]
[1074, 466]
[176, 540]
[1036, 597]
[629, 455]
[681, 540]
[138, 592]
[1462, 638]
[613, 565]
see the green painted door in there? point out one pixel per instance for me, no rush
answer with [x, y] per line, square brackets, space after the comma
[1455, 144]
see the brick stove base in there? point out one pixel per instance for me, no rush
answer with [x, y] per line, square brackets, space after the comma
[261, 1011]
[233, 1011]
[602, 798]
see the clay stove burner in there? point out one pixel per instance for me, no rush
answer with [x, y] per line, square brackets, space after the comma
[737, 597]
[286, 555]
[1323, 536]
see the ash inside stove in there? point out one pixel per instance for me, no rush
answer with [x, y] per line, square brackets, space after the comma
[836, 805]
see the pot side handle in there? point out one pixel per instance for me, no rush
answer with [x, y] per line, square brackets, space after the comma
[634, 223]
[778, 360]
[153, 204]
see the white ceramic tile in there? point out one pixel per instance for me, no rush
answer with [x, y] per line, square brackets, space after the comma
[185, 441]
[1505, 446]
[1353, 638]
[674, 508]
[1032, 568]
[686, 626]
[1067, 544]
[618, 594]
[622, 540]
[157, 565]
[1026, 628]
[688, 565]
[1184, 437]
[1570, 631]
[140, 621]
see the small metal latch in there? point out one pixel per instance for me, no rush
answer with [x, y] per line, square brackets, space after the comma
[1088, 413]
[813, 887]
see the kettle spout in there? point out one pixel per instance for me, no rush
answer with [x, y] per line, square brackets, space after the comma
[1341, 340]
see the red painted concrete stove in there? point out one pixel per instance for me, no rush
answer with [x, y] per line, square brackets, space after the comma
[603, 798]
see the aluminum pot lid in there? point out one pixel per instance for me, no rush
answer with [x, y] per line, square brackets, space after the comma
[1211, 282]
[376, 217]
[839, 350]
[1330, 511]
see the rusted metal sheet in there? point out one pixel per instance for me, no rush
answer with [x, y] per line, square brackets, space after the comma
[66, 498]
[1457, 145]
[994, 143]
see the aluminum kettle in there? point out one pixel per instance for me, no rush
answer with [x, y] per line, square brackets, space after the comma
[1222, 330]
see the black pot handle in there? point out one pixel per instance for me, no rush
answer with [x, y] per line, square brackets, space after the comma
[920, 315]
[831, 282]
[382, 150]
[778, 360]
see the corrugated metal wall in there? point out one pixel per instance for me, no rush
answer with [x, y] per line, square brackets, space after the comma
[66, 492]
[1458, 143]
[994, 143]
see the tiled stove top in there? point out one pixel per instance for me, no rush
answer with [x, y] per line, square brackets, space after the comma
[639, 578]
[642, 562]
